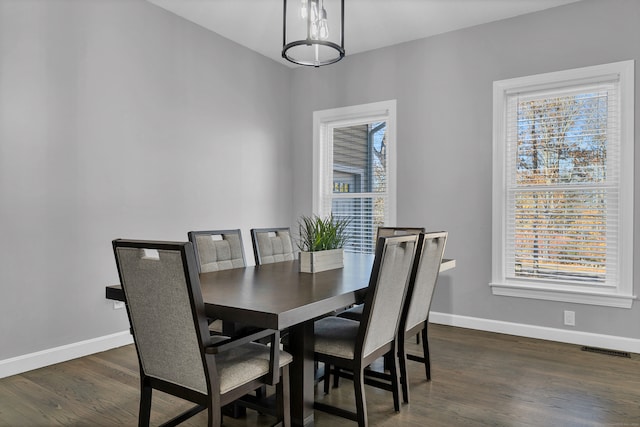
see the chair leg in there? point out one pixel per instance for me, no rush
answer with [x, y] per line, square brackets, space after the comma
[336, 377]
[404, 380]
[214, 418]
[395, 381]
[425, 350]
[283, 398]
[214, 411]
[387, 360]
[261, 392]
[145, 404]
[361, 403]
[327, 377]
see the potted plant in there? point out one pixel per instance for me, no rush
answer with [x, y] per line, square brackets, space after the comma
[321, 242]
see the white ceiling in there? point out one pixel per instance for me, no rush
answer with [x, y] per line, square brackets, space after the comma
[369, 24]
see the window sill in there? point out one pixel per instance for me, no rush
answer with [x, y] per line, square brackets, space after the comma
[552, 294]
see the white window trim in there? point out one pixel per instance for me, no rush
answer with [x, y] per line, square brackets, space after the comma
[622, 296]
[325, 120]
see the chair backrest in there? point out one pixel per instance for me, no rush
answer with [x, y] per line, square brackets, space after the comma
[424, 276]
[272, 245]
[165, 309]
[398, 231]
[217, 249]
[386, 292]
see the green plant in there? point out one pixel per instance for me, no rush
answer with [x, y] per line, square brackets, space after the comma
[321, 234]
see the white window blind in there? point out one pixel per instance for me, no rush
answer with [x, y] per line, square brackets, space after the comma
[563, 156]
[563, 197]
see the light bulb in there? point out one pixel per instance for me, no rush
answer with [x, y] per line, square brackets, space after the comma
[314, 10]
[314, 30]
[303, 9]
[323, 31]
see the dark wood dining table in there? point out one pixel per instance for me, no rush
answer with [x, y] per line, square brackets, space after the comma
[279, 296]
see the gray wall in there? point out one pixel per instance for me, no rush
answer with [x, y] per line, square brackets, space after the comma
[118, 119]
[443, 87]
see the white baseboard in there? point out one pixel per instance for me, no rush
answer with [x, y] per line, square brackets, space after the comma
[39, 359]
[530, 331]
[28, 362]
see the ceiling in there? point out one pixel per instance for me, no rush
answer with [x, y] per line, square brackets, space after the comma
[369, 24]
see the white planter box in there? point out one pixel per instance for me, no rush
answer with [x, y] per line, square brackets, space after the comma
[314, 262]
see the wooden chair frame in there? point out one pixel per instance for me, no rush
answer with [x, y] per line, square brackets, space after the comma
[381, 379]
[212, 401]
[358, 364]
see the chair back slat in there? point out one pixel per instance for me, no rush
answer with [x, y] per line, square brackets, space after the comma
[162, 294]
[424, 277]
[387, 290]
[218, 249]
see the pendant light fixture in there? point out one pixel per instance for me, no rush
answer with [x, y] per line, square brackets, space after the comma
[312, 25]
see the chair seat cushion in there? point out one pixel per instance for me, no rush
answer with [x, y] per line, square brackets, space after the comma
[244, 363]
[354, 313]
[336, 336]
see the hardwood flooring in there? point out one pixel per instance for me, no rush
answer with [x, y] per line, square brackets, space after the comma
[479, 379]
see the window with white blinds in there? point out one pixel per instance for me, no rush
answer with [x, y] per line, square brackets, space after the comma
[354, 170]
[562, 197]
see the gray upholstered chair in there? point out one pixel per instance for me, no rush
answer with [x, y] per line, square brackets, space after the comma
[352, 345]
[355, 312]
[415, 314]
[176, 353]
[218, 249]
[415, 317]
[272, 245]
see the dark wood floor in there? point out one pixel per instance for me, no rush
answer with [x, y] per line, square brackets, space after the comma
[479, 379]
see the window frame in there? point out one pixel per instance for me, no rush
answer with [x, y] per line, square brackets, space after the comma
[621, 295]
[323, 123]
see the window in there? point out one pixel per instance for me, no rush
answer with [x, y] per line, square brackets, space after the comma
[354, 169]
[563, 186]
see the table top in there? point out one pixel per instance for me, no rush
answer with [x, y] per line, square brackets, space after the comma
[279, 296]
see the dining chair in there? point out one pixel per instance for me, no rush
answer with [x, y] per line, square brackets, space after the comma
[176, 353]
[415, 313]
[222, 250]
[353, 345]
[272, 245]
[217, 249]
[355, 312]
[415, 317]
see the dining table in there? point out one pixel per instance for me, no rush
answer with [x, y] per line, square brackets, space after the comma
[279, 296]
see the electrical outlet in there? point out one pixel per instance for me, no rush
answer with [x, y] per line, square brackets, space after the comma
[117, 305]
[570, 318]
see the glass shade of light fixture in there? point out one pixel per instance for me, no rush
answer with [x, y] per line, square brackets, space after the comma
[307, 36]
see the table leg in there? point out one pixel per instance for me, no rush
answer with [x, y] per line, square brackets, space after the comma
[302, 374]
